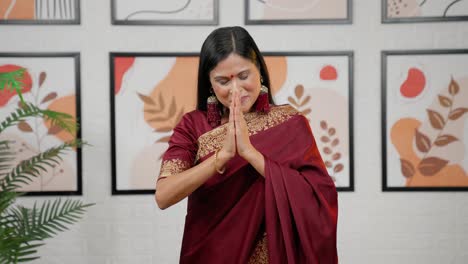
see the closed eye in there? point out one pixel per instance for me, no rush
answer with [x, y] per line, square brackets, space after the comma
[243, 75]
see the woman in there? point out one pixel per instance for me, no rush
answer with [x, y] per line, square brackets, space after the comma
[258, 191]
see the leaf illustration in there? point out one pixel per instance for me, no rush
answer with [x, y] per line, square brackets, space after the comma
[444, 140]
[172, 108]
[431, 166]
[22, 105]
[307, 111]
[306, 100]
[338, 168]
[453, 87]
[336, 156]
[163, 139]
[445, 101]
[146, 99]
[331, 131]
[292, 101]
[335, 142]
[42, 78]
[54, 130]
[299, 91]
[161, 102]
[407, 169]
[436, 119]
[457, 113]
[323, 124]
[24, 127]
[50, 96]
[325, 139]
[423, 143]
[163, 129]
[157, 119]
[328, 164]
[152, 111]
[327, 150]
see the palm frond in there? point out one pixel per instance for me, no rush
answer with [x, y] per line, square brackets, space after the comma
[49, 219]
[62, 120]
[10, 81]
[31, 168]
[6, 157]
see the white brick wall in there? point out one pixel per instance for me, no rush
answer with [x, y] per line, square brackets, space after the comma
[374, 227]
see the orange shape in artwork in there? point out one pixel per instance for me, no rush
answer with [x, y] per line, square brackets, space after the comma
[66, 104]
[278, 70]
[23, 9]
[122, 64]
[5, 95]
[414, 83]
[402, 136]
[328, 73]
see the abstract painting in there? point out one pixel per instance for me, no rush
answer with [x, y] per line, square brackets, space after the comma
[319, 84]
[408, 11]
[298, 12]
[51, 82]
[151, 91]
[40, 12]
[175, 12]
[424, 120]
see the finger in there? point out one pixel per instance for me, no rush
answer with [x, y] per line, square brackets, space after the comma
[231, 120]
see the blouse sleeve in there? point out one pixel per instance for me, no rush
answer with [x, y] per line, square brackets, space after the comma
[182, 149]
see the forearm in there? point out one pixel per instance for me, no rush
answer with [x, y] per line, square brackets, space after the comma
[256, 159]
[175, 188]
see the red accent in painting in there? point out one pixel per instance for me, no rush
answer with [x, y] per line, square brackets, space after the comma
[414, 83]
[328, 73]
[6, 95]
[122, 64]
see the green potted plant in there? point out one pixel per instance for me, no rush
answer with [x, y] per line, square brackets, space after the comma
[23, 230]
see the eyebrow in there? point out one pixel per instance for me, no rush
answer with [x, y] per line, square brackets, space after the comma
[225, 77]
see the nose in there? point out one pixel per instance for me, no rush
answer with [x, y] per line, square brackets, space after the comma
[235, 85]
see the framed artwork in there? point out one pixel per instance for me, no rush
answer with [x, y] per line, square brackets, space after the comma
[151, 91]
[176, 12]
[267, 12]
[149, 94]
[413, 11]
[40, 12]
[320, 85]
[51, 81]
[424, 120]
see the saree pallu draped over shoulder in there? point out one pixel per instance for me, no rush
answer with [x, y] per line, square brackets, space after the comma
[288, 216]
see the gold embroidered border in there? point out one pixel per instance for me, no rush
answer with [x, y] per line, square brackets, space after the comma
[256, 122]
[260, 254]
[173, 166]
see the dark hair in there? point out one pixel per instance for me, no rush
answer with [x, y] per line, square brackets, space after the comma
[219, 45]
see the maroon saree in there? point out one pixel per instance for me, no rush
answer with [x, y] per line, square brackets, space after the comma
[288, 216]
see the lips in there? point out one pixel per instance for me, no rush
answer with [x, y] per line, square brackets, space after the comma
[244, 99]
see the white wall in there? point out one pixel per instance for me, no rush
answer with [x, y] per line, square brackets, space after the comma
[374, 227]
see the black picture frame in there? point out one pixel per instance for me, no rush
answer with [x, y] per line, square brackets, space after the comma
[64, 9]
[424, 19]
[114, 145]
[384, 63]
[162, 22]
[350, 56]
[250, 21]
[76, 57]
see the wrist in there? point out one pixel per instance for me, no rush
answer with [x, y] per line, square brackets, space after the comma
[221, 158]
[251, 154]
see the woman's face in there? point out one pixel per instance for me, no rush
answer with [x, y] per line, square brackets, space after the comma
[236, 73]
